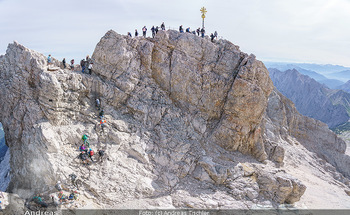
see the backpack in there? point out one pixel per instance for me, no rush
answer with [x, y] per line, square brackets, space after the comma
[91, 153]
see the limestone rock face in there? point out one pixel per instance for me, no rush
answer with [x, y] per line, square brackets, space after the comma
[190, 123]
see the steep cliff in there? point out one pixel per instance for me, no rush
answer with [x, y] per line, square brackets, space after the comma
[190, 123]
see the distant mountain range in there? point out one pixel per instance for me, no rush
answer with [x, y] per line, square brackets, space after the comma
[311, 98]
[333, 76]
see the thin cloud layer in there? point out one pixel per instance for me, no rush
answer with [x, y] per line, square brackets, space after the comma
[288, 30]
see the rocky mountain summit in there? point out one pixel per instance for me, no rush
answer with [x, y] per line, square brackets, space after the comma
[190, 124]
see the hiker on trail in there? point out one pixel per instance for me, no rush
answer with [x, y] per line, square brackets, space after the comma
[181, 29]
[64, 63]
[82, 64]
[91, 153]
[39, 201]
[101, 153]
[157, 29]
[103, 124]
[129, 34]
[83, 156]
[144, 30]
[58, 186]
[83, 148]
[49, 59]
[188, 30]
[73, 196]
[216, 34]
[198, 31]
[162, 26]
[55, 199]
[153, 31]
[98, 104]
[90, 67]
[72, 64]
[101, 114]
[202, 32]
[136, 33]
[85, 138]
[73, 178]
[212, 37]
[62, 197]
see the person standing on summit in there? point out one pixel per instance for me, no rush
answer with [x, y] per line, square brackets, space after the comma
[162, 26]
[144, 31]
[49, 59]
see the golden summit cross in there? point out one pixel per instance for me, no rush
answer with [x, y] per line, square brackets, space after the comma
[203, 11]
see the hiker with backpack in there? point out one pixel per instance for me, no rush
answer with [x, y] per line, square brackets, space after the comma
[129, 34]
[202, 32]
[198, 31]
[49, 59]
[91, 153]
[82, 64]
[162, 26]
[64, 63]
[181, 29]
[103, 124]
[39, 201]
[90, 67]
[188, 30]
[216, 35]
[212, 37]
[62, 197]
[153, 31]
[58, 186]
[157, 29]
[101, 114]
[98, 104]
[72, 64]
[136, 33]
[101, 153]
[83, 156]
[83, 148]
[85, 139]
[73, 196]
[73, 178]
[144, 31]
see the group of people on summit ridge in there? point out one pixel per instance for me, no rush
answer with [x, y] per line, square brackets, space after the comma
[154, 30]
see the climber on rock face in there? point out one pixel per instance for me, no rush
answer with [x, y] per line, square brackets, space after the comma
[73, 178]
[82, 148]
[83, 156]
[58, 186]
[90, 67]
[39, 201]
[101, 153]
[101, 114]
[98, 104]
[85, 139]
[91, 153]
[103, 124]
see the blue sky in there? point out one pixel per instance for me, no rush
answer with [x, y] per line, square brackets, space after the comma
[276, 30]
